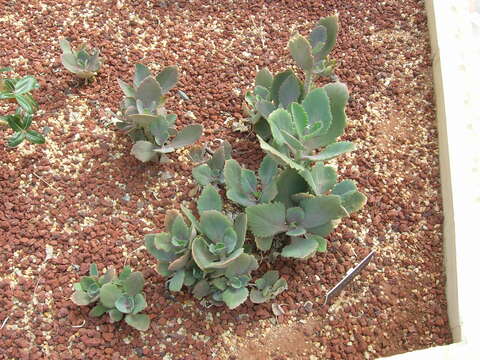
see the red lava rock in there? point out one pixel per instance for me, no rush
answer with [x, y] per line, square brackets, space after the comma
[76, 204]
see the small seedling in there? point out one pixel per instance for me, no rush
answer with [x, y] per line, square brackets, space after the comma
[80, 61]
[120, 296]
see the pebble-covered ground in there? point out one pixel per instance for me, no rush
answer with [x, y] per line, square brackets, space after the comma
[82, 197]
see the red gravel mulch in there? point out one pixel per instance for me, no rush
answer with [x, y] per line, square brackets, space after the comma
[86, 197]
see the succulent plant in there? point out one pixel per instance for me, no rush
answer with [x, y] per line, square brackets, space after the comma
[210, 171]
[118, 296]
[304, 210]
[19, 90]
[269, 286]
[79, 61]
[208, 255]
[145, 119]
[272, 92]
[242, 185]
[298, 133]
[172, 249]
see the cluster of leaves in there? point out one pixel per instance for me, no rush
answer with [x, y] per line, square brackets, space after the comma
[291, 203]
[18, 90]
[272, 92]
[145, 119]
[118, 296]
[205, 253]
[80, 61]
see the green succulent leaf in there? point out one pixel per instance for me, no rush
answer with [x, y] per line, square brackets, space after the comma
[264, 243]
[300, 118]
[143, 150]
[301, 51]
[344, 187]
[280, 120]
[201, 289]
[280, 158]
[353, 201]
[141, 73]
[240, 226]
[176, 282]
[238, 182]
[322, 209]
[330, 23]
[125, 304]
[93, 270]
[133, 285]
[300, 248]
[321, 241]
[290, 183]
[318, 38]
[317, 106]
[265, 108]
[140, 322]
[167, 78]
[149, 92]
[264, 78]
[332, 151]
[26, 85]
[209, 199]
[321, 178]
[214, 224]
[81, 298]
[109, 293]
[128, 90]
[186, 136]
[266, 220]
[289, 91]
[234, 297]
[115, 315]
[338, 96]
[277, 82]
[98, 310]
[140, 303]
[203, 174]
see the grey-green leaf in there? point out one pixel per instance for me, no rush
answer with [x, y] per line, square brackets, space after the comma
[234, 297]
[140, 322]
[109, 293]
[167, 78]
[264, 78]
[289, 91]
[209, 199]
[300, 248]
[133, 285]
[301, 51]
[143, 150]
[266, 219]
[332, 151]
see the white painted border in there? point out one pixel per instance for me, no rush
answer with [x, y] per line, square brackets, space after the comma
[455, 38]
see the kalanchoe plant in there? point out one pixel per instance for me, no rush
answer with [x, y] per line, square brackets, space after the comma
[19, 90]
[207, 255]
[269, 286]
[242, 186]
[300, 132]
[80, 61]
[210, 171]
[145, 119]
[118, 296]
[279, 91]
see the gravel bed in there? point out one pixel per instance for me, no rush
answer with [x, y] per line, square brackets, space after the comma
[83, 195]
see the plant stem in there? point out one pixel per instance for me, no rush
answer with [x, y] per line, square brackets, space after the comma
[308, 81]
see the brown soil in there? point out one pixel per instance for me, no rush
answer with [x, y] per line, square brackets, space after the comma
[86, 198]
